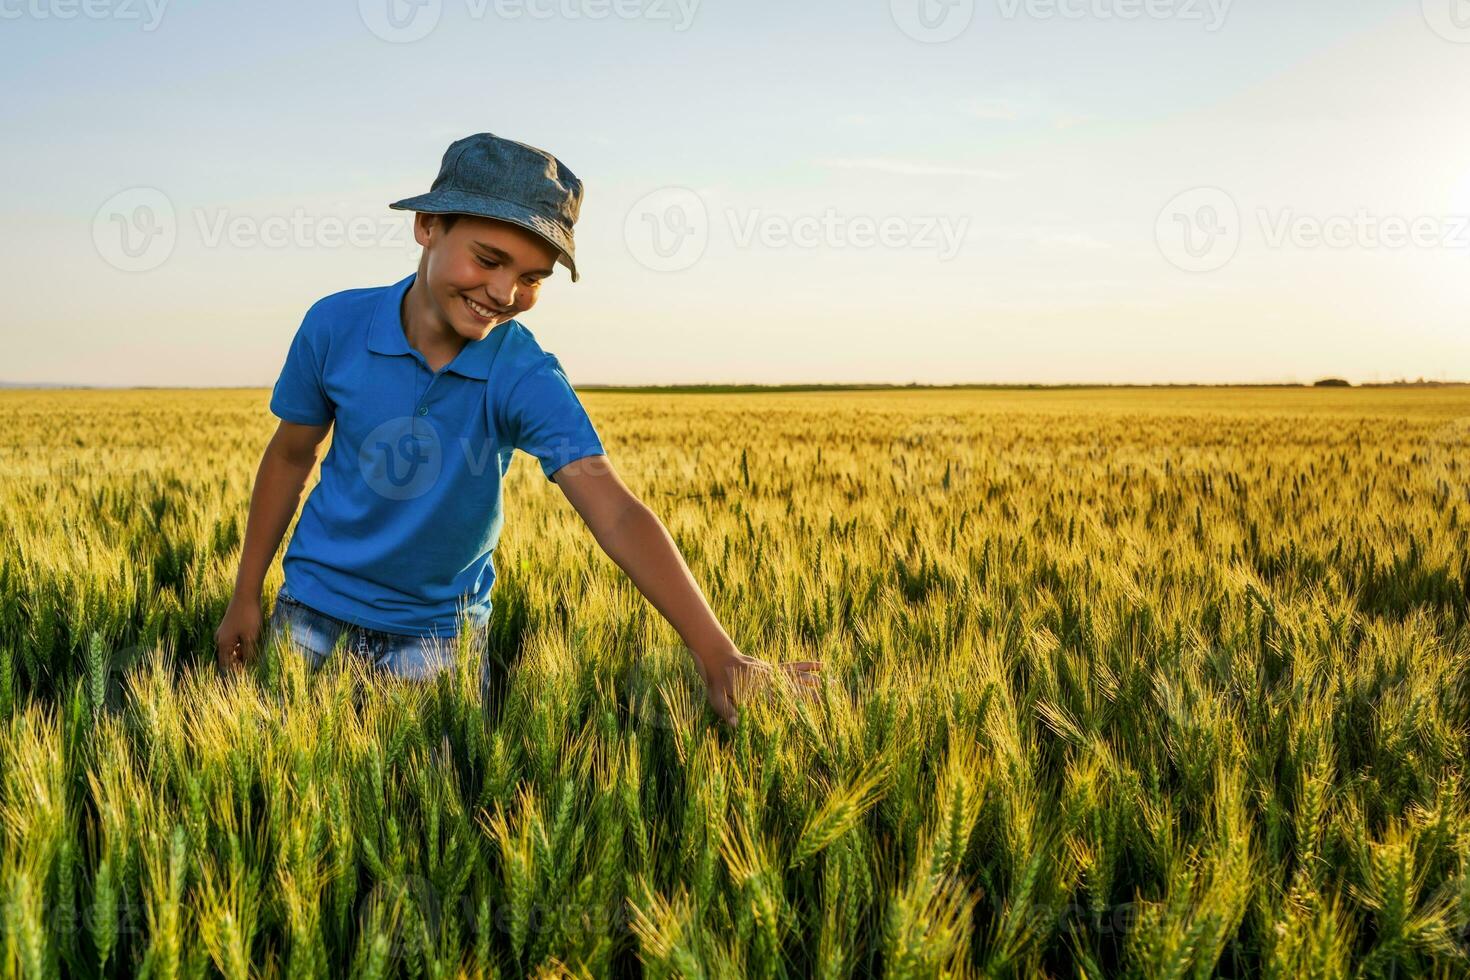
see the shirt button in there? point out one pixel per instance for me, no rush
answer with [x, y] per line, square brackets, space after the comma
[423, 410]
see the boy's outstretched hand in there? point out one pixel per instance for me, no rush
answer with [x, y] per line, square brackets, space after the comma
[633, 536]
[731, 677]
[237, 635]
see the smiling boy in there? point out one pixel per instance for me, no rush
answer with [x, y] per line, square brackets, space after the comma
[431, 384]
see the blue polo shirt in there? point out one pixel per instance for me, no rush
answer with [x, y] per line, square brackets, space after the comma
[397, 534]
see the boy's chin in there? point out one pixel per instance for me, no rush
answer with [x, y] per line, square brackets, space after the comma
[474, 331]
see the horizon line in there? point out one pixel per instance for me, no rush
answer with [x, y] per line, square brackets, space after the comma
[682, 386]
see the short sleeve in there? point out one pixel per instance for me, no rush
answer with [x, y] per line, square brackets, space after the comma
[548, 420]
[299, 395]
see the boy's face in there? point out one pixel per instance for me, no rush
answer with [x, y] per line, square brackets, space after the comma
[481, 272]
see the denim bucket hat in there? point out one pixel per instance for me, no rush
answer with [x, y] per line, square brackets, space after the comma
[492, 177]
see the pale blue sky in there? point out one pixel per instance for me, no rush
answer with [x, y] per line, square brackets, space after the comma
[1053, 149]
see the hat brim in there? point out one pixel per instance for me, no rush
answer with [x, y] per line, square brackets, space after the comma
[458, 202]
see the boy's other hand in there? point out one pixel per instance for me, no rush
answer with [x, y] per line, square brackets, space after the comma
[237, 634]
[732, 676]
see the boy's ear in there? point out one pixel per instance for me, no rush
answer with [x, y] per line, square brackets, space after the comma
[426, 225]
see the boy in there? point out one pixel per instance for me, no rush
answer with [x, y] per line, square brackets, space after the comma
[432, 384]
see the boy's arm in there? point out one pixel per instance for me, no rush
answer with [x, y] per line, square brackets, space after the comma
[633, 537]
[285, 466]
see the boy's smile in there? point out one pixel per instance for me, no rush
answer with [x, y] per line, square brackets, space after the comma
[473, 275]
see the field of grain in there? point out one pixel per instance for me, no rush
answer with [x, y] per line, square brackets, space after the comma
[1143, 683]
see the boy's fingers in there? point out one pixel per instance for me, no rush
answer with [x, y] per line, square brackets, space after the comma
[803, 665]
[229, 656]
[720, 701]
[747, 684]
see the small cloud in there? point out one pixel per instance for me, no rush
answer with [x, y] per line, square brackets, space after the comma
[912, 168]
[856, 119]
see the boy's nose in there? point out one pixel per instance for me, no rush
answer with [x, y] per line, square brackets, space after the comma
[501, 291]
[496, 300]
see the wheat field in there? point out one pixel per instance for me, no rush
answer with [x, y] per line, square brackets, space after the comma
[1151, 683]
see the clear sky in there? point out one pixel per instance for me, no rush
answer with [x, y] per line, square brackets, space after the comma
[829, 190]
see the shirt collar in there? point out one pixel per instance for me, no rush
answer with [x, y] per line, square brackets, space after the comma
[385, 335]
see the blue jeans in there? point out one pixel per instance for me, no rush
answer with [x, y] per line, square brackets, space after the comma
[316, 634]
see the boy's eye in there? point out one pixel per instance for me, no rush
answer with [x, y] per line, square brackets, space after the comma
[492, 264]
